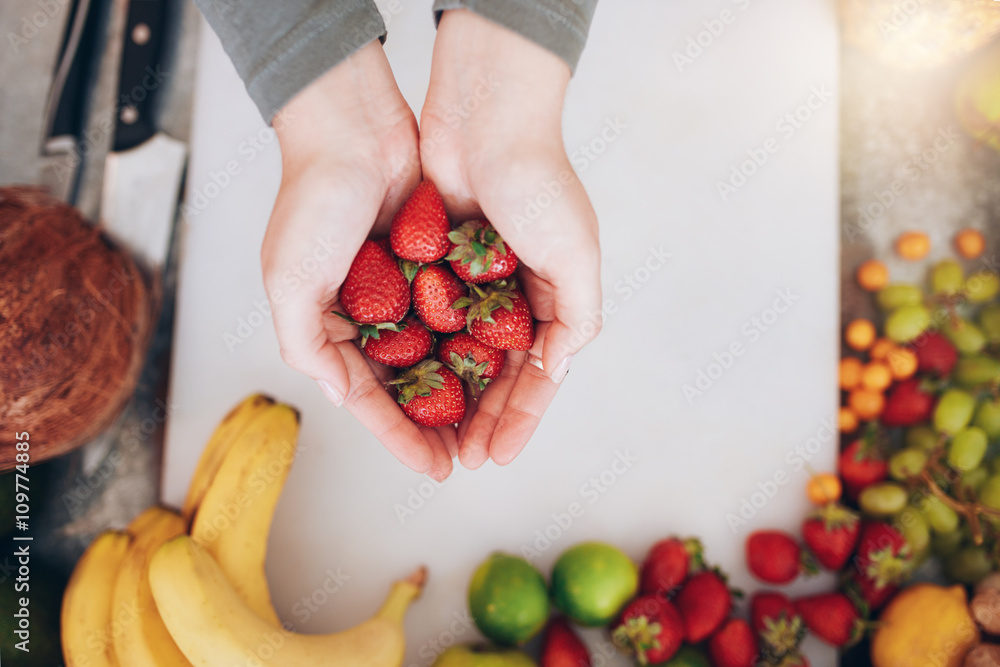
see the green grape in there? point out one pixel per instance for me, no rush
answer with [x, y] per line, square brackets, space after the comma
[942, 519]
[922, 437]
[947, 277]
[989, 320]
[982, 286]
[967, 448]
[989, 495]
[995, 466]
[907, 463]
[897, 295]
[974, 479]
[953, 411]
[969, 565]
[976, 370]
[912, 524]
[988, 418]
[907, 322]
[947, 544]
[882, 499]
[964, 335]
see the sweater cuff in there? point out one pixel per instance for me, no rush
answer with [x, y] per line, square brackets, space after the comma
[310, 49]
[560, 26]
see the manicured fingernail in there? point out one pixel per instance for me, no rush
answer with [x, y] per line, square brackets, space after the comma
[331, 394]
[562, 368]
[536, 362]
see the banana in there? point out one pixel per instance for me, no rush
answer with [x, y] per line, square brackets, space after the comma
[213, 626]
[234, 517]
[87, 619]
[226, 433]
[145, 641]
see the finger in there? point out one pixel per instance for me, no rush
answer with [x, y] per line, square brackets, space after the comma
[306, 347]
[530, 396]
[442, 465]
[372, 405]
[449, 436]
[471, 405]
[474, 449]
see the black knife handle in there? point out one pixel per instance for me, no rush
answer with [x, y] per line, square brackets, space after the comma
[141, 75]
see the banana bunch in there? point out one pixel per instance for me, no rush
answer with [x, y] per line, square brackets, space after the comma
[176, 589]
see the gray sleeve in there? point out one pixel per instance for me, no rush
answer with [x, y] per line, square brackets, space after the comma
[281, 46]
[560, 26]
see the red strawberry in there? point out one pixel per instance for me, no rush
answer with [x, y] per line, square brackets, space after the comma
[478, 254]
[430, 394]
[401, 348]
[907, 404]
[734, 645]
[474, 362]
[499, 316]
[419, 230]
[774, 556]
[775, 620]
[667, 564]
[561, 647]
[831, 533]
[704, 602]
[935, 353]
[858, 469]
[375, 290]
[832, 617]
[650, 628]
[866, 590]
[435, 291]
[884, 560]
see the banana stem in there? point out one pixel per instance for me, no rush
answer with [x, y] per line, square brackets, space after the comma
[402, 594]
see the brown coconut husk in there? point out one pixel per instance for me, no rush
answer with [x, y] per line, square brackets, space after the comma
[919, 34]
[75, 318]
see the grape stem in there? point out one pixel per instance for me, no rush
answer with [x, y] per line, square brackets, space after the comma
[971, 510]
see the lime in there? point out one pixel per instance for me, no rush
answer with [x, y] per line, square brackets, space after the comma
[508, 599]
[592, 581]
[688, 656]
[483, 656]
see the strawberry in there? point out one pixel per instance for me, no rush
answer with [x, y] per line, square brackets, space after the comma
[883, 561]
[667, 564]
[774, 556]
[375, 290]
[907, 404]
[831, 533]
[867, 593]
[734, 645]
[832, 617]
[650, 628]
[430, 394]
[774, 619]
[474, 362]
[859, 468]
[435, 292]
[704, 602]
[935, 353]
[478, 254]
[419, 230]
[401, 348]
[561, 647]
[499, 316]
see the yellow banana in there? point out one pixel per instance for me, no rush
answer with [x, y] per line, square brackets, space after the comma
[213, 625]
[145, 642]
[88, 619]
[234, 518]
[226, 433]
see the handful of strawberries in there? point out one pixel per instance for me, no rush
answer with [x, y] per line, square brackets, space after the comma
[428, 278]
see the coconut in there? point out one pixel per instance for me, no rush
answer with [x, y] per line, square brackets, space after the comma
[75, 317]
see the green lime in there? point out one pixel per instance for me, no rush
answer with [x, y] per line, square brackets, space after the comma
[592, 581]
[688, 656]
[483, 656]
[508, 599]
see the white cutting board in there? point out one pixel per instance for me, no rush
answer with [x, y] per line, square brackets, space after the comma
[655, 189]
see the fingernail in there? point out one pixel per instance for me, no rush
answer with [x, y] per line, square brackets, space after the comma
[562, 368]
[536, 362]
[331, 394]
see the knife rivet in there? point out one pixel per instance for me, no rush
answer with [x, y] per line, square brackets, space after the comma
[141, 33]
[129, 115]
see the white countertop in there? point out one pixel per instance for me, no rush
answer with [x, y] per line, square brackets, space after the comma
[655, 188]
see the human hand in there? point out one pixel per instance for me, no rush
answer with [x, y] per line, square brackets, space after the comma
[491, 141]
[349, 159]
